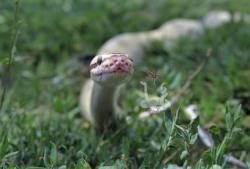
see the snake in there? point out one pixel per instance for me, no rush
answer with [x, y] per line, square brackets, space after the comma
[114, 64]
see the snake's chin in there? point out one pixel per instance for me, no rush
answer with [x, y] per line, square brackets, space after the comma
[120, 70]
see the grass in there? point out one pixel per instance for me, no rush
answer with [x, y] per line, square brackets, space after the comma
[40, 122]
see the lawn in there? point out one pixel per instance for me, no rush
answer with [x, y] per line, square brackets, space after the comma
[40, 121]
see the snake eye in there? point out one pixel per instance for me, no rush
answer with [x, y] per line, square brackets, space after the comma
[99, 60]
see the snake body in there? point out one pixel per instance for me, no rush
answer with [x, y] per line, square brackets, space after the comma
[98, 99]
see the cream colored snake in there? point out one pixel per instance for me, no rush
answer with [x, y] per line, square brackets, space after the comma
[113, 66]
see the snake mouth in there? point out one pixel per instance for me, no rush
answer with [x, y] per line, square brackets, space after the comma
[122, 71]
[119, 69]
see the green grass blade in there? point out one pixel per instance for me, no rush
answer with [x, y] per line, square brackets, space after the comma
[4, 146]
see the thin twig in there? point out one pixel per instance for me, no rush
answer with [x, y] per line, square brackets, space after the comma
[190, 79]
[231, 159]
[14, 38]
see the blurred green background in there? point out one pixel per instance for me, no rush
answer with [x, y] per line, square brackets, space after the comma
[41, 103]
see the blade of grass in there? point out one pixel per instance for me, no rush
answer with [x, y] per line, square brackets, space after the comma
[14, 39]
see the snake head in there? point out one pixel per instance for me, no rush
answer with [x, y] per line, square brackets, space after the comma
[111, 70]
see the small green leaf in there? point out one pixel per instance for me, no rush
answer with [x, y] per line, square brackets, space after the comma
[237, 130]
[82, 164]
[5, 62]
[216, 134]
[193, 126]
[164, 146]
[171, 166]
[184, 154]
[228, 108]
[199, 164]
[182, 132]
[146, 161]
[175, 81]
[63, 167]
[235, 122]
[222, 149]
[168, 120]
[36, 168]
[213, 152]
[206, 158]
[13, 51]
[11, 154]
[45, 159]
[4, 145]
[193, 138]
[53, 154]
[236, 116]
[216, 167]
[229, 121]
[12, 166]
[176, 117]
[237, 113]
[214, 130]
[107, 167]
[125, 142]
